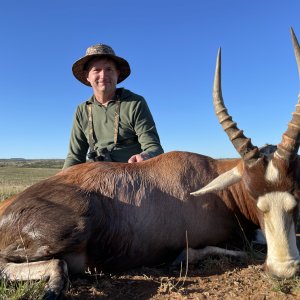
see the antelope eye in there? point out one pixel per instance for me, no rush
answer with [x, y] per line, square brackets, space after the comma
[296, 193]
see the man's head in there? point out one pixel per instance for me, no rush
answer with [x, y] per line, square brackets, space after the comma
[100, 51]
[102, 73]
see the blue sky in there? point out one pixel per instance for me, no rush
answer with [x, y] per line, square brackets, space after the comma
[171, 47]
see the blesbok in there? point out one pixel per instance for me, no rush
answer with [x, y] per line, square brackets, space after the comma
[113, 216]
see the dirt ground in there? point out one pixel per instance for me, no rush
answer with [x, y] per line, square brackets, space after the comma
[213, 278]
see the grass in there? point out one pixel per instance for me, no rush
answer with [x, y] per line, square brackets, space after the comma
[16, 179]
[28, 290]
[286, 286]
[32, 163]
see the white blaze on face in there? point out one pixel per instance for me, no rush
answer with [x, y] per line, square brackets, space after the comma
[283, 255]
[272, 173]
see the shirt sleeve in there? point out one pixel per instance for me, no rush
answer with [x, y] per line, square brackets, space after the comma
[145, 129]
[78, 146]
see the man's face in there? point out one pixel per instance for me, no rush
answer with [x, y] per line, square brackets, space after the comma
[103, 75]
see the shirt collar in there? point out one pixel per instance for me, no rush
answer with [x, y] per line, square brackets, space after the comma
[120, 94]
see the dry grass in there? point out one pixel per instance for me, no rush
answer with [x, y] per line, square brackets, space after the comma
[15, 179]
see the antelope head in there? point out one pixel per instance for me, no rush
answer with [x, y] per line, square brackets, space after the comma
[271, 181]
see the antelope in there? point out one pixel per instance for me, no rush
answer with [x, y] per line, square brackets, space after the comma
[116, 216]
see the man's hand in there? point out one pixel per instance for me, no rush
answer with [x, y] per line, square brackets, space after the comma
[138, 158]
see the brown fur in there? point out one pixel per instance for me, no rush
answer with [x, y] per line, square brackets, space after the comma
[115, 216]
[120, 215]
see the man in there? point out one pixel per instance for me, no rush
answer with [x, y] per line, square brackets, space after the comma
[114, 124]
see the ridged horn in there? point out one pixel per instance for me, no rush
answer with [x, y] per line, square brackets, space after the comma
[289, 145]
[241, 143]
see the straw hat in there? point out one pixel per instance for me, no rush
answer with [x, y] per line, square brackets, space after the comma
[100, 50]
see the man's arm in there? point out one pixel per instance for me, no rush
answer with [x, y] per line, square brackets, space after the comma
[78, 145]
[145, 129]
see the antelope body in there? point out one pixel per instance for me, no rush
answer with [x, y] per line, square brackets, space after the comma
[115, 216]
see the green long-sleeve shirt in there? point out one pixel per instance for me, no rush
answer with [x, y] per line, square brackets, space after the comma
[136, 123]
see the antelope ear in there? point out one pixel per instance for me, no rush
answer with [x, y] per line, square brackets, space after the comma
[221, 182]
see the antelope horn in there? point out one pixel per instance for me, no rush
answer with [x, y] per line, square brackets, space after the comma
[241, 143]
[289, 145]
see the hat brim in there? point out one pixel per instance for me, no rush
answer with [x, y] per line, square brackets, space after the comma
[80, 73]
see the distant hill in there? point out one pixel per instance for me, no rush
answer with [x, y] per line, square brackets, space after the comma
[17, 158]
[32, 163]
